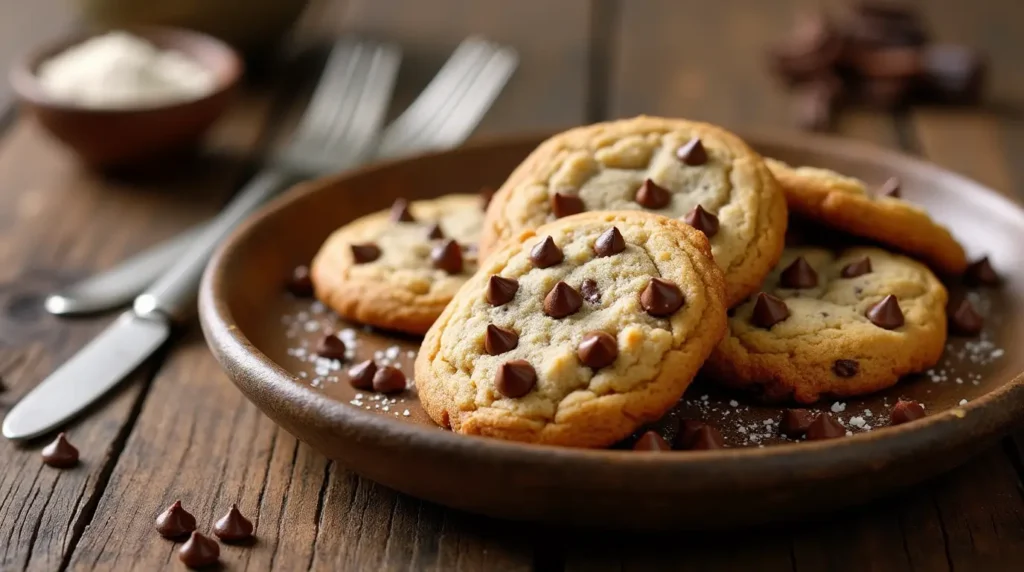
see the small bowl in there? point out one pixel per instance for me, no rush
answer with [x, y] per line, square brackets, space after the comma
[117, 137]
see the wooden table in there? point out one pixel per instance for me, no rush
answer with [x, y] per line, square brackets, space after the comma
[179, 429]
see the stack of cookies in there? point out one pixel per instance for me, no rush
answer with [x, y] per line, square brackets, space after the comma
[622, 258]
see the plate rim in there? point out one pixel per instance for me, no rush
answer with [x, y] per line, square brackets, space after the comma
[992, 415]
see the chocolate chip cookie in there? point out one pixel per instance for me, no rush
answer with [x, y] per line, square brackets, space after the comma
[694, 172]
[575, 333]
[846, 203]
[398, 269]
[833, 325]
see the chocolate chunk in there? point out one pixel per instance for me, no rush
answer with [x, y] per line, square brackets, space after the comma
[301, 283]
[981, 273]
[563, 300]
[498, 340]
[175, 522]
[952, 74]
[697, 435]
[813, 106]
[435, 231]
[515, 378]
[60, 453]
[400, 211]
[702, 220]
[845, 367]
[331, 347]
[590, 291]
[565, 205]
[501, 290]
[692, 153]
[824, 427]
[661, 298]
[546, 253]
[360, 376]
[233, 527]
[610, 242]
[905, 412]
[651, 441]
[890, 188]
[363, 253]
[447, 256]
[652, 196]
[856, 268]
[795, 422]
[799, 274]
[199, 551]
[597, 349]
[486, 194]
[886, 314]
[964, 320]
[388, 379]
[768, 311]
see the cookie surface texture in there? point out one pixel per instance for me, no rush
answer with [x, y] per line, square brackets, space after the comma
[847, 204]
[575, 334]
[399, 274]
[838, 332]
[606, 167]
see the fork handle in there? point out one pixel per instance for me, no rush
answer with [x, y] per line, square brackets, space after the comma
[174, 292]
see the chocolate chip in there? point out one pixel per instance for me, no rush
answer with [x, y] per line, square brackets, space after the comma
[824, 427]
[498, 340]
[952, 73]
[687, 430]
[964, 320]
[795, 422]
[331, 347]
[886, 314]
[845, 367]
[906, 411]
[233, 527]
[546, 253]
[768, 311]
[301, 283]
[388, 380]
[597, 349]
[199, 551]
[610, 242]
[360, 376]
[565, 205]
[501, 290]
[652, 196]
[651, 441]
[175, 522]
[590, 291]
[697, 435]
[486, 194]
[856, 268]
[563, 300]
[981, 273]
[890, 188]
[435, 231]
[60, 453]
[702, 220]
[515, 378]
[799, 274]
[692, 153]
[363, 253]
[400, 211]
[447, 256]
[661, 298]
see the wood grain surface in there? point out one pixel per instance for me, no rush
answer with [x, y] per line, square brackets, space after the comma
[179, 430]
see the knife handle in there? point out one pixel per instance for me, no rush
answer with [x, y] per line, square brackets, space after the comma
[174, 292]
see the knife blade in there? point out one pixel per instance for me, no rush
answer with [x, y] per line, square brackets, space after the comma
[83, 379]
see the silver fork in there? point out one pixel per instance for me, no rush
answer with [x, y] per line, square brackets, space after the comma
[442, 116]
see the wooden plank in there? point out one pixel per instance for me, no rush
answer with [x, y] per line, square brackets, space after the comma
[212, 447]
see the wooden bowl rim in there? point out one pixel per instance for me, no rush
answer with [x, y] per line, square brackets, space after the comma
[263, 380]
[24, 80]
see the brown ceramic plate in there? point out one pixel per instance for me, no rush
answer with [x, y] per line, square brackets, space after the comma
[262, 337]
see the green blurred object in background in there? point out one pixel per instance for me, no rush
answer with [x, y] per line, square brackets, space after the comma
[252, 26]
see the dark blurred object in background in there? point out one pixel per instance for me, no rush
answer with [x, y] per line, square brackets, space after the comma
[879, 55]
